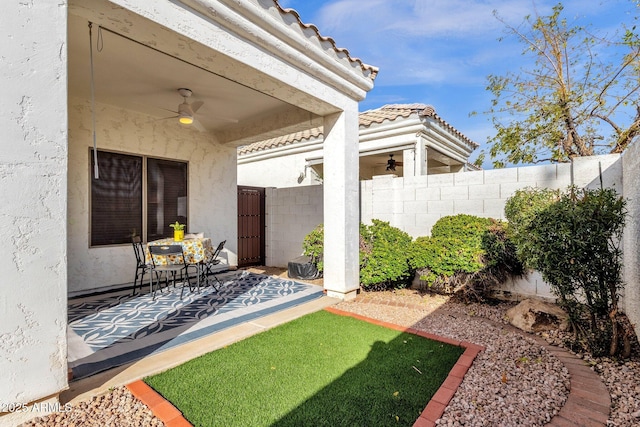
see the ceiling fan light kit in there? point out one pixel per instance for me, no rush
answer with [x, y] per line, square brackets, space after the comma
[185, 114]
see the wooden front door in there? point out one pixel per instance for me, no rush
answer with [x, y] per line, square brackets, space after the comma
[250, 226]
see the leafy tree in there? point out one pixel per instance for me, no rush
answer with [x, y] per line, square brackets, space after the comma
[574, 241]
[577, 99]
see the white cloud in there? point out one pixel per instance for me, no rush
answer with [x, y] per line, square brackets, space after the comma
[441, 51]
[417, 18]
[421, 40]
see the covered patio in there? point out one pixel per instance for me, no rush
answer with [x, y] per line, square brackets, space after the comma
[116, 337]
[108, 74]
[108, 330]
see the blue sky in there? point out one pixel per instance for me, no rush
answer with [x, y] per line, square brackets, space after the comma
[440, 52]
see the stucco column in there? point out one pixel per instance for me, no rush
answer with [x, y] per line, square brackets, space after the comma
[33, 300]
[341, 204]
[421, 155]
[409, 160]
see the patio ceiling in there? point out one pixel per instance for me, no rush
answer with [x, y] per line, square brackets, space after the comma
[138, 77]
[377, 163]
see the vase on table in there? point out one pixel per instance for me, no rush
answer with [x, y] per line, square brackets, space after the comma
[178, 231]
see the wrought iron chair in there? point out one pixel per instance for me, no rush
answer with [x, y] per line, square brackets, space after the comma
[175, 265]
[141, 266]
[212, 262]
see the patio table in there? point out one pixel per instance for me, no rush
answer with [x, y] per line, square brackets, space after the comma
[196, 250]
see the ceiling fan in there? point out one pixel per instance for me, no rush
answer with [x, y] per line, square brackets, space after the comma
[391, 163]
[186, 111]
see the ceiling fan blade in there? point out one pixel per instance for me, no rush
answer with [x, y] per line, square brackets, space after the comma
[198, 125]
[386, 163]
[166, 118]
[171, 111]
[195, 106]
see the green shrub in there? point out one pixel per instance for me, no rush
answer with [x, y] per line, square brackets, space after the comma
[384, 256]
[465, 255]
[313, 246]
[455, 246]
[442, 257]
[520, 210]
[501, 255]
[575, 244]
[469, 228]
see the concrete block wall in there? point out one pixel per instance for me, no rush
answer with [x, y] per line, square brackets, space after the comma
[291, 213]
[414, 204]
[631, 192]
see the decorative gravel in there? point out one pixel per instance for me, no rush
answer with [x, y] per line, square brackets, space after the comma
[118, 408]
[513, 382]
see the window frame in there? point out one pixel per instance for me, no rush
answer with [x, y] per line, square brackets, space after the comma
[145, 192]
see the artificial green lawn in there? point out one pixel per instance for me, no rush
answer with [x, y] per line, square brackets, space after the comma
[319, 370]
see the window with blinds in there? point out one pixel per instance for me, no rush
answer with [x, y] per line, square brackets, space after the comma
[166, 196]
[118, 197]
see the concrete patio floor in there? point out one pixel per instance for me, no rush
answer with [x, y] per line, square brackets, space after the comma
[85, 388]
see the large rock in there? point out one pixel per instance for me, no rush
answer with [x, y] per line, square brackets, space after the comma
[534, 315]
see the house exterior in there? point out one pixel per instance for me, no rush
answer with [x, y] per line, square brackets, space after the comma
[410, 137]
[89, 82]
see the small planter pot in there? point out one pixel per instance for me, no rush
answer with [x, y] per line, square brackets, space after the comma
[178, 235]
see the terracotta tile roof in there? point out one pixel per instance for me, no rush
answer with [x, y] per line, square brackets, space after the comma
[280, 141]
[388, 112]
[393, 111]
[340, 51]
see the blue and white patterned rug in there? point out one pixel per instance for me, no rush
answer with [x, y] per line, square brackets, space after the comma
[117, 329]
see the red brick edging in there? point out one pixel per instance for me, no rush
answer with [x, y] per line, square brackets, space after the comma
[161, 408]
[172, 417]
[588, 402]
[436, 406]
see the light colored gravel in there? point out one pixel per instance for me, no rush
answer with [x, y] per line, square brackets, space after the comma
[118, 408]
[621, 377]
[513, 382]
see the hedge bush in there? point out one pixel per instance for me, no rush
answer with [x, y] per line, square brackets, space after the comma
[465, 255]
[520, 210]
[384, 256]
[313, 246]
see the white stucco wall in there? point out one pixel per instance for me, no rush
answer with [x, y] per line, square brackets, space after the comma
[33, 179]
[631, 180]
[279, 172]
[211, 186]
[46, 142]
